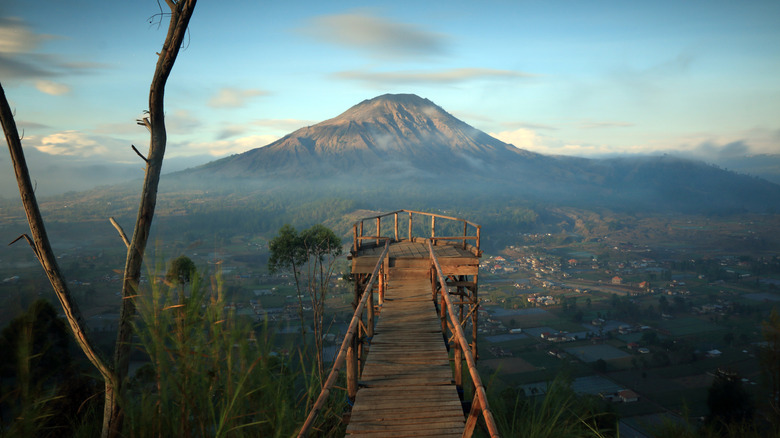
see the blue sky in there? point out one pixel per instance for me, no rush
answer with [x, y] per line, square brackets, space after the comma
[585, 78]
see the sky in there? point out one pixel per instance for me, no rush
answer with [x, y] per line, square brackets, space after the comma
[583, 78]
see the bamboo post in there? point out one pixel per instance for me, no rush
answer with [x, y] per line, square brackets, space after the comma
[410, 226]
[370, 310]
[361, 232]
[474, 318]
[352, 371]
[479, 228]
[465, 233]
[378, 229]
[433, 229]
[458, 367]
[354, 238]
[396, 226]
[443, 307]
[381, 285]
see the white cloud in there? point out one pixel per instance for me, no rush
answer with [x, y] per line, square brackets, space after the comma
[53, 88]
[234, 97]
[379, 37]
[522, 138]
[456, 75]
[73, 144]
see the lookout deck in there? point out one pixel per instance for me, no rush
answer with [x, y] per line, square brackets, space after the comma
[414, 256]
[404, 361]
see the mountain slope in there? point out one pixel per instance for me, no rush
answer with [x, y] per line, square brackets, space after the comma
[406, 147]
[391, 132]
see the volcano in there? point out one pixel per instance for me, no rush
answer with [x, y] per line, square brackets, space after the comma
[406, 143]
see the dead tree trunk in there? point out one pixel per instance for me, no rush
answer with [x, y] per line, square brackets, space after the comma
[181, 12]
[42, 248]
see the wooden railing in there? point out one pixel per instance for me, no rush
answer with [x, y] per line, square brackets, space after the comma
[349, 351]
[479, 404]
[359, 227]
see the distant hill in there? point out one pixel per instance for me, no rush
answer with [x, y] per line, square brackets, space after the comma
[400, 144]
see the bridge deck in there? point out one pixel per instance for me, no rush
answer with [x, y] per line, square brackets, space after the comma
[406, 387]
[454, 259]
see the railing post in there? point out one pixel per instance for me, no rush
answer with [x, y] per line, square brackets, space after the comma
[479, 228]
[396, 226]
[354, 238]
[465, 233]
[370, 305]
[475, 317]
[352, 371]
[410, 226]
[381, 285]
[443, 307]
[458, 371]
[361, 233]
[433, 229]
[378, 229]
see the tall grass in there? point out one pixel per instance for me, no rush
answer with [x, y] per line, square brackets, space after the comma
[208, 373]
[559, 413]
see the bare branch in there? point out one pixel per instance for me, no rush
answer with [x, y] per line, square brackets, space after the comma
[121, 231]
[139, 153]
[30, 241]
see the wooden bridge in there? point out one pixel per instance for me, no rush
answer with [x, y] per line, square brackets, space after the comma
[404, 362]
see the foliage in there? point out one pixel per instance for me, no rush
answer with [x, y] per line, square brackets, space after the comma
[559, 413]
[770, 363]
[313, 251]
[209, 374]
[46, 391]
[728, 401]
[181, 270]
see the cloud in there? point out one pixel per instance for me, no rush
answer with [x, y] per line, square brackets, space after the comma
[234, 97]
[24, 124]
[531, 140]
[531, 126]
[606, 124]
[521, 138]
[224, 147]
[16, 36]
[377, 36]
[230, 131]
[451, 76]
[53, 88]
[74, 144]
[18, 60]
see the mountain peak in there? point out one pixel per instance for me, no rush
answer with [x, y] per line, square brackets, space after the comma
[390, 106]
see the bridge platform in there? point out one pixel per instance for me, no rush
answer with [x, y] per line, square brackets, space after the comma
[407, 387]
[454, 257]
